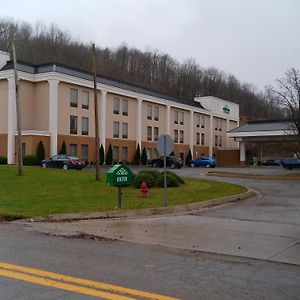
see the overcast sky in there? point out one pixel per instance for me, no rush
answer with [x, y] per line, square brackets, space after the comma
[255, 40]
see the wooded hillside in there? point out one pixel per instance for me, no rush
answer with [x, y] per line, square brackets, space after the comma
[151, 69]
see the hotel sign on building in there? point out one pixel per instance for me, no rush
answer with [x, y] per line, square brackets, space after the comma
[57, 106]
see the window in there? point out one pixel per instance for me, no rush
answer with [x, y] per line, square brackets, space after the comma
[73, 149]
[216, 124]
[197, 119]
[202, 121]
[181, 117]
[156, 113]
[175, 136]
[125, 107]
[220, 125]
[149, 133]
[124, 154]
[181, 136]
[85, 99]
[115, 154]
[116, 106]
[149, 153]
[176, 116]
[84, 126]
[116, 132]
[149, 112]
[74, 98]
[216, 141]
[197, 138]
[202, 139]
[23, 149]
[73, 124]
[125, 130]
[84, 152]
[156, 133]
[220, 141]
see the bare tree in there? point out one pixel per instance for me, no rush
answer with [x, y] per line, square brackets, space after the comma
[287, 95]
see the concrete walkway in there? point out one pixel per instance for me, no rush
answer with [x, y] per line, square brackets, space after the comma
[261, 240]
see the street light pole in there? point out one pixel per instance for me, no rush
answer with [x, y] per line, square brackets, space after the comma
[19, 136]
[96, 115]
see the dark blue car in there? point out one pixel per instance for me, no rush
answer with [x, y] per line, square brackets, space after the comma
[208, 162]
[291, 163]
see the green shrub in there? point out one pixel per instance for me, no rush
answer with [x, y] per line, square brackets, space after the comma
[178, 178]
[30, 160]
[144, 157]
[3, 160]
[109, 156]
[137, 155]
[63, 149]
[40, 153]
[154, 173]
[141, 176]
[171, 180]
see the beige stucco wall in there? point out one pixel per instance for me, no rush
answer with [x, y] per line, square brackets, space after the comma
[65, 110]
[26, 96]
[231, 143]
[41, 106]
[111, 117]
[3, 106]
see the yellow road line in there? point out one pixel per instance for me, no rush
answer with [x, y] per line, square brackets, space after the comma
[60, 285]
[87, 283]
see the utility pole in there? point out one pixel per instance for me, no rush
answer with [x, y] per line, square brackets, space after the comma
[96, 114]
[19, 137]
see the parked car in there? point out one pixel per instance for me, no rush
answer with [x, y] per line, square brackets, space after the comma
[63, 161]
[291, 163]
[271, 162]
[208, 162]
[172, 162]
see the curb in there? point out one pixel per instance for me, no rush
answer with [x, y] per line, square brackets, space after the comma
[145, 212]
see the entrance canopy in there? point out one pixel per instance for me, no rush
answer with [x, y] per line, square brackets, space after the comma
[261, 132]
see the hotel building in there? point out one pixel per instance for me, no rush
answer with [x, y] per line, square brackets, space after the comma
[57, 105]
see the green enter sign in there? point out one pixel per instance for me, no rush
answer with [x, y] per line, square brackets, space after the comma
[119, 175]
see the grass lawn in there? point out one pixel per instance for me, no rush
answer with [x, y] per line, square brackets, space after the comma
[41, 192]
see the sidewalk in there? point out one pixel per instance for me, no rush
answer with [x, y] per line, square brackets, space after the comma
[260, 240]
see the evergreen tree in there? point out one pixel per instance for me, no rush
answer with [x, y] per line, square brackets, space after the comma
[144, 157]
[63, 149]
[188, 158]
[101, 155]
[137, 155]
[40, 151]
[109, 156]
[172, 153]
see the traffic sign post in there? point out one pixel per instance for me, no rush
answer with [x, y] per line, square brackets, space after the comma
[119, 175]
[165, 146]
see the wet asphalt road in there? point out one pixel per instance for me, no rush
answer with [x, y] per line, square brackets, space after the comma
[181, 273]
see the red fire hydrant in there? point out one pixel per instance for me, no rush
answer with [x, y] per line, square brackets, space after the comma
[144, 189]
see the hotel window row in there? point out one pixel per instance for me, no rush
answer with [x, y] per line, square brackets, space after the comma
[200, 121]
[200, 139]
[179, 117]
[218, 124]
[117, 106]
[153, 112]
[84, 98]
[116, 130]
[218, 141]
[150, 131]
[74, 125]
[84, 151]
[181, 136]
[124, 154]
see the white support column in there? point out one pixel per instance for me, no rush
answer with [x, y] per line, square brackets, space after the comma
[242, 152]
[211, 135]
[139, 123]
[191, 133]
[12, 121]
[102, 122]
[226, 138]
[53, 114]
[168, 120]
